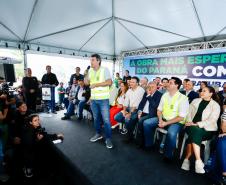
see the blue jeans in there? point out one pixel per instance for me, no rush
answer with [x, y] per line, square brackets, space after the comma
[120, 118]
[171, 139]
[130, 123]
[51, 103]
[221, 153]
[149, 126]
[171, 136]
[70, 109]
[81, 105]
[101, 109]
[66, 102]
[140, 129]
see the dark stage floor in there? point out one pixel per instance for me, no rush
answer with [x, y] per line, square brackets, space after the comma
[125, 164]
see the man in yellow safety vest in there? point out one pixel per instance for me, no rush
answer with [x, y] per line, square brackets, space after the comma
[99, 79]
[172, 111]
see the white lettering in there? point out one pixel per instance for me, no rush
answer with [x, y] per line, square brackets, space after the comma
[221, 71]
[209, 71]
[195, 71]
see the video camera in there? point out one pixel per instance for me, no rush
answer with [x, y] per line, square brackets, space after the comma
[4, 89]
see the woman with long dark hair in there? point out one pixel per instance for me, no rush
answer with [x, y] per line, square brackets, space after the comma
[201, 125]
[118, 102]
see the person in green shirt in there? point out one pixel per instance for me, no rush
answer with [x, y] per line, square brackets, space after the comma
[61, 93]
[116, 80]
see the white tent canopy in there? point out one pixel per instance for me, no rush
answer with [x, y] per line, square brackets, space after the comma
[110, 26]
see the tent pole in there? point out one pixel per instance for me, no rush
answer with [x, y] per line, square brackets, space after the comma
[25, 59]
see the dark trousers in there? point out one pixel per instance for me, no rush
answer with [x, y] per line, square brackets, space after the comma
[30, 99]
[139, 136]
[51, 103]
[131, 124]
[39, 156]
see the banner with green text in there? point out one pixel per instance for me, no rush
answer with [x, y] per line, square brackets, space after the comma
[209, 65]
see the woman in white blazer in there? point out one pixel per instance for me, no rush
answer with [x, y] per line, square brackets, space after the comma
[201, 125]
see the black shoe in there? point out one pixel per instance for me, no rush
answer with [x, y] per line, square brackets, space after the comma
[54, 112]
[65, 118]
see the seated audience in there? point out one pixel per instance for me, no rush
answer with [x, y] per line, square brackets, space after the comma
[184, 84]
[15, 135]
[76, 75]
[189, 91]
[221, 147]
[201, 125]
[172, 112]
[165, 83]
[222, 94]
[71, 99]
[147, 113]
[126, 76]
[157, 80]
[36, 145]
[144, 83]
[202, 85]
[133, 98]
[119, 101]
[82, 95]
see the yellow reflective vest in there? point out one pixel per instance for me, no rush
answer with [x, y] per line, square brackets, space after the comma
[98, 93]
[171, 110]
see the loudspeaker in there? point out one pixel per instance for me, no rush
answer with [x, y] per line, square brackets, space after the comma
[7, 71]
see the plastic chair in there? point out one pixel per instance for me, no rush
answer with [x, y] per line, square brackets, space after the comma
[163, 131]
[206, 144]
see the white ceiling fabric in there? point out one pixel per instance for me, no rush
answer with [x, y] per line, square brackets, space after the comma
[111, 26]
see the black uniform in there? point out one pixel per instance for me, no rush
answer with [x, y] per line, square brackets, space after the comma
[30, 98]
[50, 78]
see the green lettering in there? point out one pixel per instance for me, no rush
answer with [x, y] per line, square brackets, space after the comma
[132, 63]
[139, 62]
[223, 58]
[206, 58]
[191, 60]
[215, 59]
[198, 59]
[180, 60]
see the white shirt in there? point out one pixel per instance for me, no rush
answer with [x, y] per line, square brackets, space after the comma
[73, 90]
[146, 107]
[134, 97]
[80, 92]
[187, 92]
[121, 99]
[183, 106]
